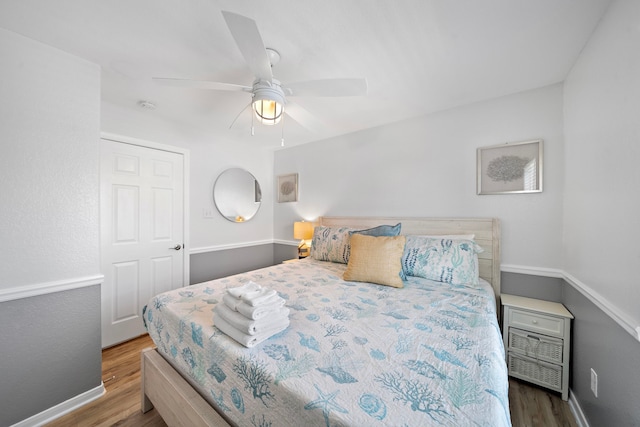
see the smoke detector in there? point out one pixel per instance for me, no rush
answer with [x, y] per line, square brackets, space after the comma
[147, 105]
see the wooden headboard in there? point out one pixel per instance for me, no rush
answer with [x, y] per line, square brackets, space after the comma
[486, 231]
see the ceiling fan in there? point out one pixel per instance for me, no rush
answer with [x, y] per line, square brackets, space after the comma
[268, 95]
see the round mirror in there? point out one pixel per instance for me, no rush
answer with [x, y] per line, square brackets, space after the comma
[237, 195]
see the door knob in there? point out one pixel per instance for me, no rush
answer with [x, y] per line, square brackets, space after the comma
[177, 247]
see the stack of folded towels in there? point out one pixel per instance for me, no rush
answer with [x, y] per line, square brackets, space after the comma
[250, 314]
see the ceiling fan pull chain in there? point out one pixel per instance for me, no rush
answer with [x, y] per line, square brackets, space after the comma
[282, 137]
[253, 132]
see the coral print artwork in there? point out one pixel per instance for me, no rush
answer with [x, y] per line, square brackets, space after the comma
[510, 168]
[288, 188]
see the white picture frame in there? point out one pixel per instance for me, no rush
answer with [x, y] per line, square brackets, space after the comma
[511, 168]
[288, 188]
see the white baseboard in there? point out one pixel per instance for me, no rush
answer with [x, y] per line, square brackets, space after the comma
[63, 408]
[576, 410]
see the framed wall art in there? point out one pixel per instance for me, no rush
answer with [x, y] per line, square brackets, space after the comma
[288, 188]
[514, 167]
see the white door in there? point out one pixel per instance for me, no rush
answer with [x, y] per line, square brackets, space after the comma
[142, 235]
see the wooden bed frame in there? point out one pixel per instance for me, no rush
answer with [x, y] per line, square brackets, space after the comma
[179, 404]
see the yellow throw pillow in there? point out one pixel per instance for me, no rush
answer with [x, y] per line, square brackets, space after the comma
[375, 260]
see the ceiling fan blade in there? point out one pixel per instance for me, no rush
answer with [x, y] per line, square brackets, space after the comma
[202, 84]
[304, 118]
[247, 36]
[328, 87]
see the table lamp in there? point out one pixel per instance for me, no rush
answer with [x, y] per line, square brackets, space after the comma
[304, 231]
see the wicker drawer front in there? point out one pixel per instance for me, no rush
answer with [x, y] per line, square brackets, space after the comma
[537, 322]
[535, 371]
[536, 346]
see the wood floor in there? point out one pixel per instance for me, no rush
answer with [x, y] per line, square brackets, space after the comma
[120, 405]
[530, 406]
[533, 406]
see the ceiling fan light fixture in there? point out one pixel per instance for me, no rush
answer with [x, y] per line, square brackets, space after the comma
[267, 111]
[268, 102]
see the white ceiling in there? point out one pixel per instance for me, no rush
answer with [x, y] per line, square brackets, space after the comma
[418, 56]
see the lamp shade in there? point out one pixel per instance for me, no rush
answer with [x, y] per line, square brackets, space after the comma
[302, 230]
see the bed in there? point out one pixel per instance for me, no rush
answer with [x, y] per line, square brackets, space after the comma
[355, 353]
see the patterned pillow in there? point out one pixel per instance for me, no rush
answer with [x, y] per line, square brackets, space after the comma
[452, 261]
[375, 260]
[331, 244]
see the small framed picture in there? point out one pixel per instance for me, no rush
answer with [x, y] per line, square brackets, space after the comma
[514, 167]
[288, 188]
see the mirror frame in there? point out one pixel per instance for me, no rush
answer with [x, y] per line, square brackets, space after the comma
[226, 198]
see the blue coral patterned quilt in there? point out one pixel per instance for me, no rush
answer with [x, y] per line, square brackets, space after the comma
[355, 354]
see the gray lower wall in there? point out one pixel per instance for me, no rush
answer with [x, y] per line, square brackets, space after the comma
[284, 252]
[546, 288]
[600, 343]
[216, 264]
[50, 351]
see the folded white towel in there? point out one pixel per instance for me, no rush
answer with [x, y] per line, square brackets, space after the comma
[272, 299]
[261, 311]
[259, 297]
[231, 301]
[244, 339]
[250, 326]
[266, 307]
[239, 291]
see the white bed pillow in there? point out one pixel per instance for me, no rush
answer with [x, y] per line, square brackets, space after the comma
[451, 236]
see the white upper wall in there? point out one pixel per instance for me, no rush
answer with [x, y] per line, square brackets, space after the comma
[602, 146]
[426, 167]
[50, 121]
[209, 156]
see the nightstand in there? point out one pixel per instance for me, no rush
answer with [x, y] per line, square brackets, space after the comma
[537, 339]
